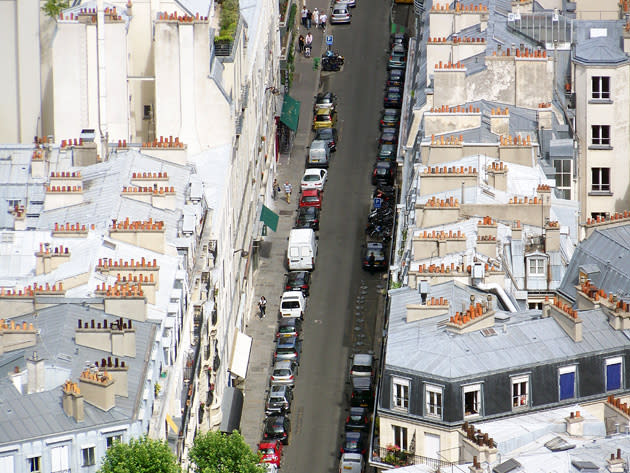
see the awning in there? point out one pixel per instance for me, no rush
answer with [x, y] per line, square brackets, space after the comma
[269, 218]
[240, 354]
[290, 112]
[231, 410]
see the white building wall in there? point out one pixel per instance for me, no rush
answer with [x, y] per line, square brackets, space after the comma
[116, 74]
[168, 108]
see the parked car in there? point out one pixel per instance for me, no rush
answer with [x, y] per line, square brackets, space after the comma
[318, 154]
[373, 257]
[292, 304]
[279, 400]
[399, 38]
[270, 452]
[386, 152]
[390, 118]
[384, 173]
[311, 198]
[351, 463]
[324, 118]
[393, 97]
[354, 442]
[395, 78]
[288, 348]
[325, 100]
[362, 398]
[284, 372]
[389, 136]
[289, 327]
[358, 419]
[314, 179]
[277, 428]
[307, 217]
[299, 280]
[397, 60]
[329, 135]
[269, 467]
[340, 14]
[362, 365]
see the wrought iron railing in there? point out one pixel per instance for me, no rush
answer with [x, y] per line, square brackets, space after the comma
[395, 458]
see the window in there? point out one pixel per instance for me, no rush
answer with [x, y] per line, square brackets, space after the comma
[600, 135]
[434, 401]
[400, 393]
[536, 266]
[6, 463]
[600, 88]
[35, 464]
[520, 392]
[563, 177]
[400, 436]
[147, 112]
[566, 379]
[88, 456]
[59, 459]
[600, 179]
[113, 438]
[613, 373]
[472, 400]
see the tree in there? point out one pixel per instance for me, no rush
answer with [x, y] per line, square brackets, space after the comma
[142, 455]
[216, 452]
[52, 8]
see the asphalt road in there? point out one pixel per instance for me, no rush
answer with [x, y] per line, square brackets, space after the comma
[337, 322]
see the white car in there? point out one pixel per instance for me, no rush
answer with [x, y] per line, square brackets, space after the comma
[292, 304]
[269, 467]
[348, 3]
[314, 179]
[351, 463]
[340, 14]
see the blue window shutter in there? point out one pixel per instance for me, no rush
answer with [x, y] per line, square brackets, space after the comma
[613, 377]
[567, 386]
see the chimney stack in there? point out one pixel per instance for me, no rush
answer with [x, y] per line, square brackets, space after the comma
[35, 371]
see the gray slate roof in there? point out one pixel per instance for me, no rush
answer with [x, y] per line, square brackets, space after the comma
[602, 50]
[426, 348]
[29, 416]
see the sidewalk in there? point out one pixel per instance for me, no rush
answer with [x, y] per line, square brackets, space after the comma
[269, 277]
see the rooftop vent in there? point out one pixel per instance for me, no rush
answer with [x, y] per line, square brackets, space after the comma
[507, 466]
[558, 444]
[488, 332]
[585, 466]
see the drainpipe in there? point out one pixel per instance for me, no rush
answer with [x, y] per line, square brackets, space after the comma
[500, 293]
[101, 77]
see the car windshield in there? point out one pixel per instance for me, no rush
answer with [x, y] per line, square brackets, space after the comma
[310, 198]
[311, 177]
[282, 372]
[276, 399]
[291, 305]
[390, 113]
[323, 118]
[326, 134]
[285, 351]
[352, 443]
[339, 11]
[381, 171]
[297, 278]
[387, 148]
[287, 329]
[267, 451]
[361, 368]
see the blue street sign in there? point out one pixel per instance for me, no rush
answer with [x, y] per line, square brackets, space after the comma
[378, 202]
[329, 39]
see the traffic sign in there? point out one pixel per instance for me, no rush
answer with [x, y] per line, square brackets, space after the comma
[378, 202]
[329, 39]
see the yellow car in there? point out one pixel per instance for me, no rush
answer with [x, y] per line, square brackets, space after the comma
[324, 118]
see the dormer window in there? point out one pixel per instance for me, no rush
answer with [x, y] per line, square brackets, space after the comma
[536, 266]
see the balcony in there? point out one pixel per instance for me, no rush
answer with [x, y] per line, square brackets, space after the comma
[393, 457]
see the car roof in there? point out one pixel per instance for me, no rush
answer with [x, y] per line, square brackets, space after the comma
[278, 389]
[310, 192]
[287, 342]
[312, 171]
[324, 111]
[362, 359]
[357, 410]
[370, 246]
[353, 435]
[292, 294]
[352, 456]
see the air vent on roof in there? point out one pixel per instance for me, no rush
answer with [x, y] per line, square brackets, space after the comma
[502, 316]
[506, 466]
[109, 244]
[585, 466]
[488, 332]
[7, 237]
[558, 444]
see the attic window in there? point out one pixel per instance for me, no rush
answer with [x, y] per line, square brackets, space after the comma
[558, 444]
[585, 466]
[599, 32]
[488, 332]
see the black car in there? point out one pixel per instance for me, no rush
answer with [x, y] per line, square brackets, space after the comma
[354, 442]
[395, 78]
[384, 173]
[329, 135]
[289, 327]
[373, 257]
[325, 100]
[386, 152]
[390, 118]
[389, 136]
[362, 399]
[393, 97]
[298, 281]
[288, 348]
[358, 419]
[307, 217]
[277, 428]
[279, 399]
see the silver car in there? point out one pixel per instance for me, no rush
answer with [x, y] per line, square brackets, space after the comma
[340, 14]
[351, 463]
[284, 372]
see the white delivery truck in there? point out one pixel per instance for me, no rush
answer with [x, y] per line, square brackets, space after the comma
[292, 304]
[302, 249]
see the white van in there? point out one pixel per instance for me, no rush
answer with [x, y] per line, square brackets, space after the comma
[302, 249]
[318, 155]
[292, 304]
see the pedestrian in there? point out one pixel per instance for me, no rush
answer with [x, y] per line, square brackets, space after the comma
[304, 13]
[309, 19]
[322, 21]
[316, 18]
[275, 187]
[262, 305]
[287, 190]
[308, 40]
[301, 43]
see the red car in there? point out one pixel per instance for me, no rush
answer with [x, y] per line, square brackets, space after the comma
[311, 198]
[270, 452]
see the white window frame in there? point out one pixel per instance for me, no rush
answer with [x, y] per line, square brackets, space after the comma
[616, 360]
[400, 436]
[58, 461]
[399, 401]
[597, 135]
[520, 399]
[469, 389]
[83, 449]
[601, 94]
[29, 459]
[536, 261]
[597, 179]
[114, 436]
[431, 408]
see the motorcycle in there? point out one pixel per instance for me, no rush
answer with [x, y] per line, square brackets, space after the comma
[332, 61]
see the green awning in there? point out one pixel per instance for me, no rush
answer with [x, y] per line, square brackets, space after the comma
[290, 112]
[269, 217]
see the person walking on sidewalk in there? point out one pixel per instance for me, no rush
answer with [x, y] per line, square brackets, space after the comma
[322, 21]
[304, 13]
[275, 187]
[287, 190]
[262, 305]
[316, 17]
[308, 41]
[301, 43]
[309, 18]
